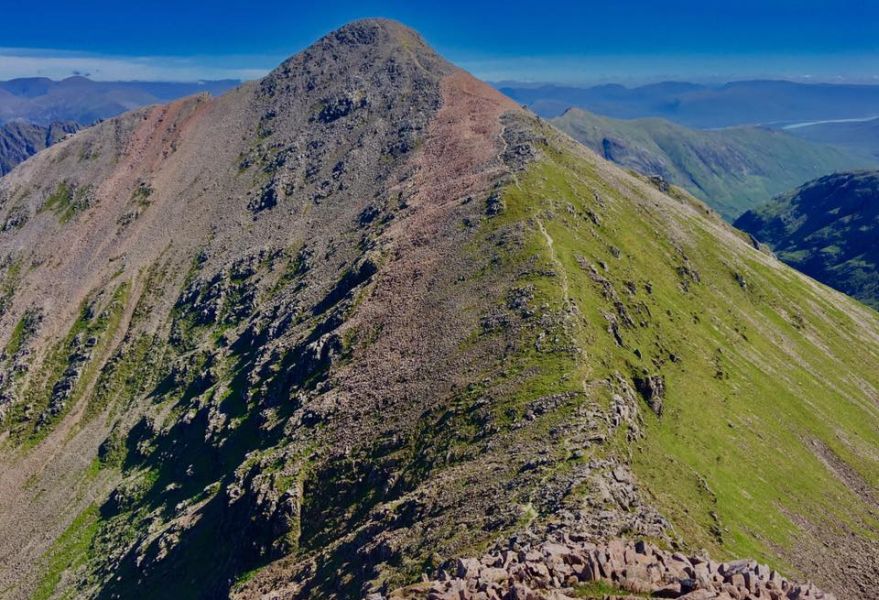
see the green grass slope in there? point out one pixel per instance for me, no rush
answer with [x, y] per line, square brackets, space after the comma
[732, 169]
[828, 229]
[767, 445]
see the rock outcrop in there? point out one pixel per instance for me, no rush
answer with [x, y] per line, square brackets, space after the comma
[617, 569]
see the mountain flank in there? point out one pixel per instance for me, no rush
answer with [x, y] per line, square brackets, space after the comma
[20, 140]
[828, 229]
[732, 169]
[328, 333]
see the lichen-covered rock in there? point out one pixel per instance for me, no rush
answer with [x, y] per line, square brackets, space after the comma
[652, 389]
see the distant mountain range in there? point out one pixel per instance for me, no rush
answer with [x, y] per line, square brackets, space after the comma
[732, 169]
[704, 106]
[44, 101]
[828, 229]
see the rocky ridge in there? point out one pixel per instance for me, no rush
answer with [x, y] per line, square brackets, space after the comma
[367, 314]
[616, 569]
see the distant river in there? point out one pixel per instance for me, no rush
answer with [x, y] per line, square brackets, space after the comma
[810, 123]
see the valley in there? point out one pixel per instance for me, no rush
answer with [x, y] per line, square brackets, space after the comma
[826, 228]
[732, 169]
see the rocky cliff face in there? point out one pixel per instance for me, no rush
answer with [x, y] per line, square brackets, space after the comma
[320, 335]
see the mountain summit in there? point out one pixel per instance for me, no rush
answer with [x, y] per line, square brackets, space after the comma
[323, 334]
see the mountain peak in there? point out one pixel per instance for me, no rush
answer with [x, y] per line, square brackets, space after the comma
[368, 36]
[376, 31]
[378, 53]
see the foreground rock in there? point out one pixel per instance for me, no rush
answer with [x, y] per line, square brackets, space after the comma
[616, 569]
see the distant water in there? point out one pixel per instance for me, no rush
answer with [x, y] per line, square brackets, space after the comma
[810, 123]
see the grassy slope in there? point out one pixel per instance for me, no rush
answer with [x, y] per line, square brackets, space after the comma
[766, 362]
[731, 169]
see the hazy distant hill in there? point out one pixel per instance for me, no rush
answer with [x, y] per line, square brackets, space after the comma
[856, 136]
[731, 169]
[736, 103]
[44, 101]
[828, 229]
[20, 140]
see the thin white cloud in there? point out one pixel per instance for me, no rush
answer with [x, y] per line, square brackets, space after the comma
[58, 64]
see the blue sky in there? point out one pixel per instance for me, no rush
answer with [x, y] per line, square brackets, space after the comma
[570, 42]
